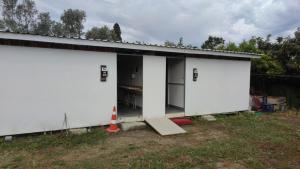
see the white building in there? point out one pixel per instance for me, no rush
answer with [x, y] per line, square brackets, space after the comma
[47, 82]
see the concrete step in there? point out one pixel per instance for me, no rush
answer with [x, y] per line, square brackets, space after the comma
[8, 138]
[209, 117]
[78, 131]
[127, 119]
[133, 125]
[174, 115]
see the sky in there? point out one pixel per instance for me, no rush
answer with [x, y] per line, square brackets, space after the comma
[155, 21]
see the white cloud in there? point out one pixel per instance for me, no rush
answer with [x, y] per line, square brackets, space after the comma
[156, 21]
[242, 28]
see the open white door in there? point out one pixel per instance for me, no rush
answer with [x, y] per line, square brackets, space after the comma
[154, 77]
[154, 92]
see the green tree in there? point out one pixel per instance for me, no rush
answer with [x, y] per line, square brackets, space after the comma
[2, 25]
[249, 46]
[116, 32]
[190, 46]
[103, 33]
[231, 46]
[267, 65]
[180, 42]
[264, 65]
[44, 24]
[25, 15]
[73, 20]
[57, 29]
[92, 33]
[289, 53]
[264, 45]
[285, 50]
[169, 43]
[8, 13]
[213, 42]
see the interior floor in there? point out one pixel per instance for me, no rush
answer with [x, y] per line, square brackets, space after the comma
[128, 111]
[172, 109]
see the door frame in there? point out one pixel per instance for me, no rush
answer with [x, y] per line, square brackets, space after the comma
[183, 58]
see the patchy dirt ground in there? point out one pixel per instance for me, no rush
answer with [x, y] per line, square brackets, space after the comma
[233, 142]
[229, 165]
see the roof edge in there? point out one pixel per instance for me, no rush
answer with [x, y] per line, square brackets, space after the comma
[124, 45]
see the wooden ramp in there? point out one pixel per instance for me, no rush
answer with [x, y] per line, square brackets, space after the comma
[164, 126]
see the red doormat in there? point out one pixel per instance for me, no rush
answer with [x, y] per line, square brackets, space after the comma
[182, 121]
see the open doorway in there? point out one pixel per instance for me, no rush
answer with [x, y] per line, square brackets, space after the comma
[175, 87]
[130, 87]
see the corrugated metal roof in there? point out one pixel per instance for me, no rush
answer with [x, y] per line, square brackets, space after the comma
[123, 44]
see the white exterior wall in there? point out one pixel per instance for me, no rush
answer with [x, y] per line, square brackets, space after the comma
[154, 86]
[38, 86]
[222, 86]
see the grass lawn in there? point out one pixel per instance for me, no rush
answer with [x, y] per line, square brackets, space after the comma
[236, 142]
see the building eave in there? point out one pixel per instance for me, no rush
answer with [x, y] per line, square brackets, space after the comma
[124, 45]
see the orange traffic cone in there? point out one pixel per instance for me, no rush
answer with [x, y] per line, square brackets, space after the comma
[113, 128]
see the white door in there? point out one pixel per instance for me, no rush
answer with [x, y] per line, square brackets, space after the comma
[154, 79]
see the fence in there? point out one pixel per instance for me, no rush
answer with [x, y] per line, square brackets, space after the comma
[279, 85]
